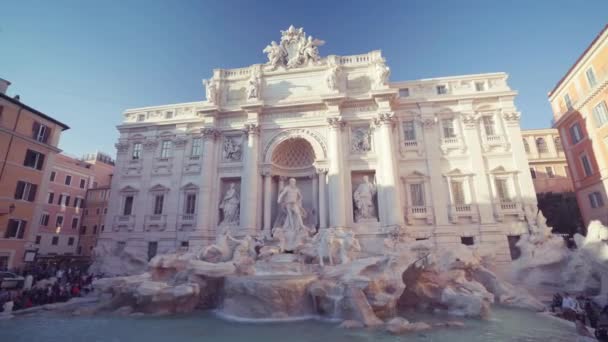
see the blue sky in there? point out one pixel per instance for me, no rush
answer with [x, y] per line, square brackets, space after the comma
[85, 62]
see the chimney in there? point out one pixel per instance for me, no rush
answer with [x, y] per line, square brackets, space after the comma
[4, 85]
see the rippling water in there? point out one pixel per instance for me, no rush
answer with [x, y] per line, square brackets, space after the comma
[505, 325]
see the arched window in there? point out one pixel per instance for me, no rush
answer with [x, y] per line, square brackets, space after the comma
[526, 146]
[541, 145]
[558, 144]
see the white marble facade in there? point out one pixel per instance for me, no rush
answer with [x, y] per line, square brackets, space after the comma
[441, 159]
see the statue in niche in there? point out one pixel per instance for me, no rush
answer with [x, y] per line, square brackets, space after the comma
[361, 141]
[332, 77]
[253, 86]
[276, 54]
[364, 200]
[293, 228]
[230, 206]
[382, 73]
[210, 90]
[232, 149]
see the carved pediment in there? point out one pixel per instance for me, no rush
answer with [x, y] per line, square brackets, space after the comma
[159, 188]
[190, 186]
[128, 188]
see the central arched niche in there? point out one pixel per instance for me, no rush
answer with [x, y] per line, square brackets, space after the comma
[294, 158]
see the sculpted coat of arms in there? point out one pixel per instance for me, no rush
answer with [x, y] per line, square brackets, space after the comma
[295, 49]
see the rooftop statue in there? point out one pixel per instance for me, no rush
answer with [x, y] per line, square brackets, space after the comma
[295, 49]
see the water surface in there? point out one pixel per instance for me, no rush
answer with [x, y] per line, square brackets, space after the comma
[505, 325]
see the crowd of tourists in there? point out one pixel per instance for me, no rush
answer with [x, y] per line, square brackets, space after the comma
[47, 285]
[583, 312]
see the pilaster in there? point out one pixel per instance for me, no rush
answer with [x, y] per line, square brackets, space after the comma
[250, 179]
[335, 174]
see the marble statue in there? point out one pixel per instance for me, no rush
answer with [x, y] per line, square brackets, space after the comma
[335, 244]
[232, 149]
[382, 73]
[295, 49]
[230, 206]
[210, 90]
[290, 200]
[364, 200]
[253, 86]
[361, 141]
[332, 78]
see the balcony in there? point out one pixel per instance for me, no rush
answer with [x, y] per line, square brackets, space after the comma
[419, 213]
[458, 211]
[451, 143]
[124, 222]
[187, 222]
[489, 142]
[508, 208]
[155, 222]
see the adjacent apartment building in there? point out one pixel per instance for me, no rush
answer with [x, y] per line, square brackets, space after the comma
[28, 146]
[60, 223]
[547, 160]
[579, 103]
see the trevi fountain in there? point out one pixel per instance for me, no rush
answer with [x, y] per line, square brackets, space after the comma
[372, 222]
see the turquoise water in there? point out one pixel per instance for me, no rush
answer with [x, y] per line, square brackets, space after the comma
[505, 325]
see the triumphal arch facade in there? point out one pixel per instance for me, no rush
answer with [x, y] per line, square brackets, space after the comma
[439, 159]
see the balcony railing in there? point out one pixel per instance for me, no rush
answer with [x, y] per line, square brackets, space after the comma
[450, 141]
[124, 222]
[458, 211]
[187, 221]
[507, 207]
[419, 212]
[155, 222]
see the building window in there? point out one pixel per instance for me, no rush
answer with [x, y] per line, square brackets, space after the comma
[448, 128]
[568, 101]
[595, 199]
[77, 202]
[600, 113]
[40, 132]
[97, 211]
[59, 221]
[141, 117]
[67, 201]
[105, 210]
[26, 191]
[169, 115]
[417, 194]
[128, 208]
[83, 183]
[70, 241]
[558, 144]
[83, 230]
[457, 192]
[480, 86]
[158, 204]
[74, 222]
[409, 130]
[94, 229]
[442, 89]
[55, 240]
[566, 171]
[34, 159]
[467, 240]
[152, 248]
[541, 145]
[38, 239]
[591, 77]
[526, 146]
[197, 146]
[51, 197]
[550, 173]
[136, 151]
[103, 227]
[190, 204]
[586, 165]
[15, 229]
[575, 133]
[502, 190]
[68, 180]
[165, 149]
[44, 219]
[185, 244]
[404, 92]
[53, 174]
[488, 124]
[533, 173]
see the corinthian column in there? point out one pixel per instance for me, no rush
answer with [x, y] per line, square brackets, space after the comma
[389, 200]
[250, 180]
[322, 205]
[267, 201]
[337, 209]
[205, 214]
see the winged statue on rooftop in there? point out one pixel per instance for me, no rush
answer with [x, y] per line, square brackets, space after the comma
[295, 49]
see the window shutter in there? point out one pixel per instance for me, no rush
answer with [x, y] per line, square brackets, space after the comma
[45, 136]
[32, 194]
[35, 129]
[40, 162]
[22, 230]
[19, 190]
